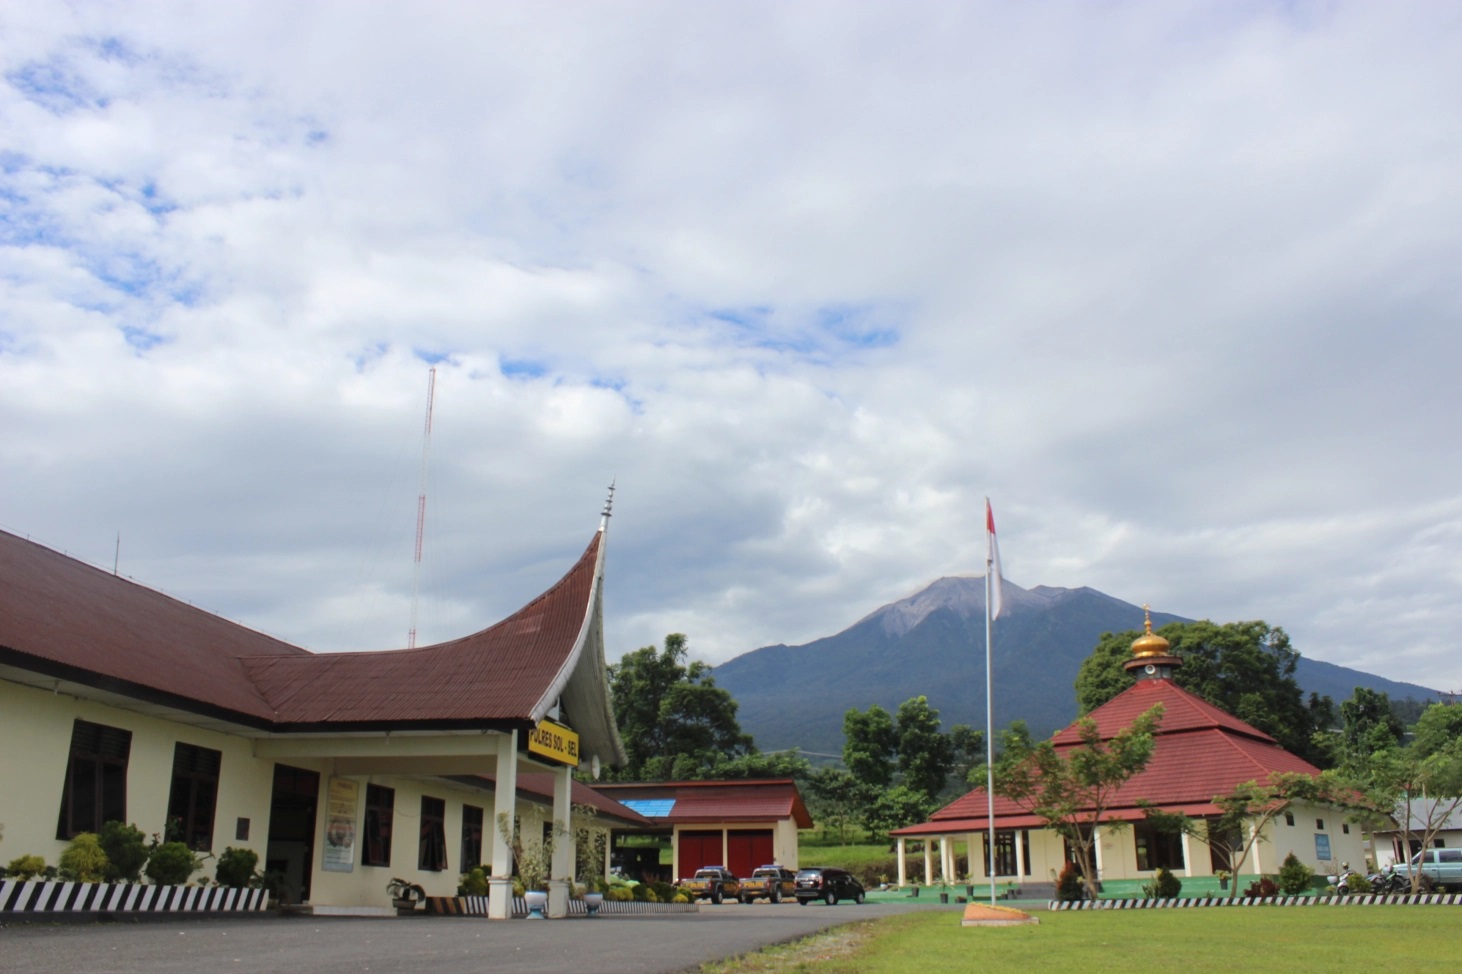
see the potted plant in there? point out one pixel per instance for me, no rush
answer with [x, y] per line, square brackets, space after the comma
[1223, 878]
[405, 895]
[533, 862]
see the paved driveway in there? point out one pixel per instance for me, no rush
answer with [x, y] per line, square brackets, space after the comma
[645, 944]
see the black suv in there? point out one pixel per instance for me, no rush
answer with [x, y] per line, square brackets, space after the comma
[829, 885]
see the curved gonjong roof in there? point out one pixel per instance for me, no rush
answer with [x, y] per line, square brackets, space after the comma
[63, 620]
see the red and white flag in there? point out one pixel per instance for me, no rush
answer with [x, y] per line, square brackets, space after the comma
[992, 563]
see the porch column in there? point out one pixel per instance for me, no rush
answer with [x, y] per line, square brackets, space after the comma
[1020, 866]
[946, 847]
[562, 867]
[1187, 855]
[976, 856]
[1096, 851]
[903, 872]
[929, 862]
[504, 800]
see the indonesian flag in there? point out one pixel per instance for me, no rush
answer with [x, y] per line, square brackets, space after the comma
[992, 563]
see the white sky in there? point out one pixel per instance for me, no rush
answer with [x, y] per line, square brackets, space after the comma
[1175, 284]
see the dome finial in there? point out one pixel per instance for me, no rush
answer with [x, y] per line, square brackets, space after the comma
[1149, 643]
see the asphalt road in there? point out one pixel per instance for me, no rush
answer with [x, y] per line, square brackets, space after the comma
[644, 944]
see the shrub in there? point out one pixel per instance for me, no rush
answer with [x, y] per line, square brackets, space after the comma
[1264, 886]
[619, 894]
[84, 861]
[473, 883]
[235, 867]
[1358, 883]
[126, 849]
[1168, 886]
[1069, 885]
[681, 898]
[1295, 876]
[170, 864]
[664, 892]
[25, 867]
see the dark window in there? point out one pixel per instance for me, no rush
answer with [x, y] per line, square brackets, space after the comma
[471, 837]
[1156, 849]
[1344, 828]
[1289, 818]
[431, 848]
[194, 794]
[1320, 824]
[95, 790]
[380, 811]
[1005, 859]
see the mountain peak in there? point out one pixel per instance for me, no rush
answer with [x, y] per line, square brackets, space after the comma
[962, 594]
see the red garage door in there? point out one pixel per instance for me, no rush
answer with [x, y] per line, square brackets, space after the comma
[697, 849]
[747, 849]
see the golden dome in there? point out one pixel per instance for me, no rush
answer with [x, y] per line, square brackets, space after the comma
[1149, 643]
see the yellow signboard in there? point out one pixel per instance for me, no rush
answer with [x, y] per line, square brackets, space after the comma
[554, 742]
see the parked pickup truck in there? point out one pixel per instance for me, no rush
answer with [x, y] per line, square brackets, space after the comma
[1441, 868]
[769, 883]
[714, 883]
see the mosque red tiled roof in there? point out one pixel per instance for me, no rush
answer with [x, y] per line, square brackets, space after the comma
[1199, 752]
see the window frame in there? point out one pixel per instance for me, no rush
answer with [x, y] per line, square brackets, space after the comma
[380, 819]
[94, 790]
[471, 850]
[1155, 849]
[431, 844]
[193, 794]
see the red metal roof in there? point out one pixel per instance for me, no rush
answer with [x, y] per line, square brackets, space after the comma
[65, 619]
[720, 801]
[500, 673]
[1199, 752]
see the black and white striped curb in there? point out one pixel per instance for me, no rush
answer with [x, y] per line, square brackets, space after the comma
[1369, 899]
[58, 896]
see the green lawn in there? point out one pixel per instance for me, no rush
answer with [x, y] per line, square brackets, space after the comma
[1225, 940]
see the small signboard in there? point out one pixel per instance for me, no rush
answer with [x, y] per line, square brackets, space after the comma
[553, 742]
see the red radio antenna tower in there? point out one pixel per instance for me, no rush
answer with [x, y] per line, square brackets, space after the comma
[431, 389]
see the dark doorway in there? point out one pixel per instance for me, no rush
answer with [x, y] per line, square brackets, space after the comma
[291, 850]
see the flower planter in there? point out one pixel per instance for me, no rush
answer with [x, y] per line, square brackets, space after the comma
[592, 903]
[537, 900]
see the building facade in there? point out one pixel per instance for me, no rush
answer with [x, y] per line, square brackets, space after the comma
[341, 770]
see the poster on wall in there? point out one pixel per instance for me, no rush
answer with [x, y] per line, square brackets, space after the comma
[339, 855]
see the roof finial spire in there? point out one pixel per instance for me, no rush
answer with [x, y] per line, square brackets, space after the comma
[609, 501]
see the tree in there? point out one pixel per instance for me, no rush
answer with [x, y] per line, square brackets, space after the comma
[925, 754]
[1437, 729]
[778, 764]
[1368, 724]
[1244, 668]
[895, 807]
[838, 797]
[967, 754]
[1420, 790]
[870, 743]
[1071, 790]
[675, 722]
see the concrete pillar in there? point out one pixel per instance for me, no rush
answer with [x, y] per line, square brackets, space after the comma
[946, 866]
[1188, 867]
[928, 862]
[562, 869]
[903, 871]
[1020, 866]
[1096, 850]
[504, 801]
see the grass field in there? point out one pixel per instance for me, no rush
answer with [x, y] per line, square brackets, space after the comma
[1297, 940]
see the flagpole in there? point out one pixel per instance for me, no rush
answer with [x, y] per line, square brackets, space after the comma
[989, 702]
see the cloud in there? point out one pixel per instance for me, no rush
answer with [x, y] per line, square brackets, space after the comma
[1172, 283]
